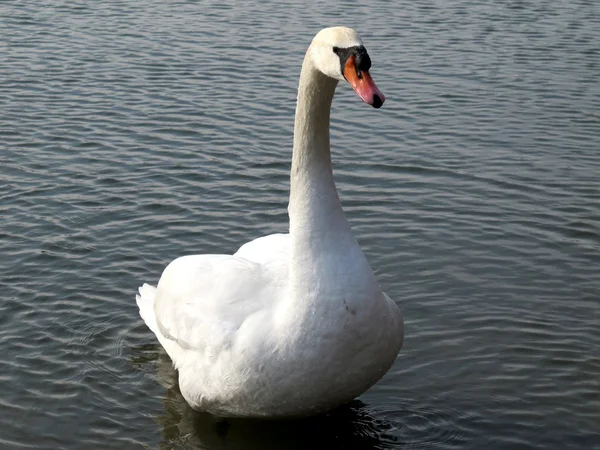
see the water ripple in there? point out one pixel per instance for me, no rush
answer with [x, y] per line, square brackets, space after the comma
[135, 132]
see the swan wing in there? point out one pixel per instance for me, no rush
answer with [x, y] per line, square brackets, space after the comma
[203, 300]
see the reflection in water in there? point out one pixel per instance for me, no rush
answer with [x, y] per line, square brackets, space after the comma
[349, 427]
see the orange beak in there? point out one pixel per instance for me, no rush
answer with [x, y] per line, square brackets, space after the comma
[363, 84]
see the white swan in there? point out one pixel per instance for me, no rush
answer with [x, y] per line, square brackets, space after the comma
[292, 324]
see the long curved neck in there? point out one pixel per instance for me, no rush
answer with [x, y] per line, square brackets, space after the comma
[314, 207]
[326, 260]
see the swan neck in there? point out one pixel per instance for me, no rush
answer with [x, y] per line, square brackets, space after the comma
[311, 128]
[313, 194]
[325, 257]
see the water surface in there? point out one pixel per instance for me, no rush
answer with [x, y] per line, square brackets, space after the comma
[134, 132]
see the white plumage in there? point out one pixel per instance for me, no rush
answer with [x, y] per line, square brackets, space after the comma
[292, 324]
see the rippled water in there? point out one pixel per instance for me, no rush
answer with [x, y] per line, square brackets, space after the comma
[135, 132]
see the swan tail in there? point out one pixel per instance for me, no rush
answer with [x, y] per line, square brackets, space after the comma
[145, 302]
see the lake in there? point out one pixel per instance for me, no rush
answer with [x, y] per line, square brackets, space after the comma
[135, 132]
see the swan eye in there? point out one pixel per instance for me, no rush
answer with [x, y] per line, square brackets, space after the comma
[363, 61]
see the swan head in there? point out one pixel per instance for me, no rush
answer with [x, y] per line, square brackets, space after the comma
[339, 53]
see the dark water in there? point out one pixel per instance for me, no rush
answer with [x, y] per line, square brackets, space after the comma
[134, 132]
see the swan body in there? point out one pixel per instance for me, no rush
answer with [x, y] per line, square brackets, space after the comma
[292, 324]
